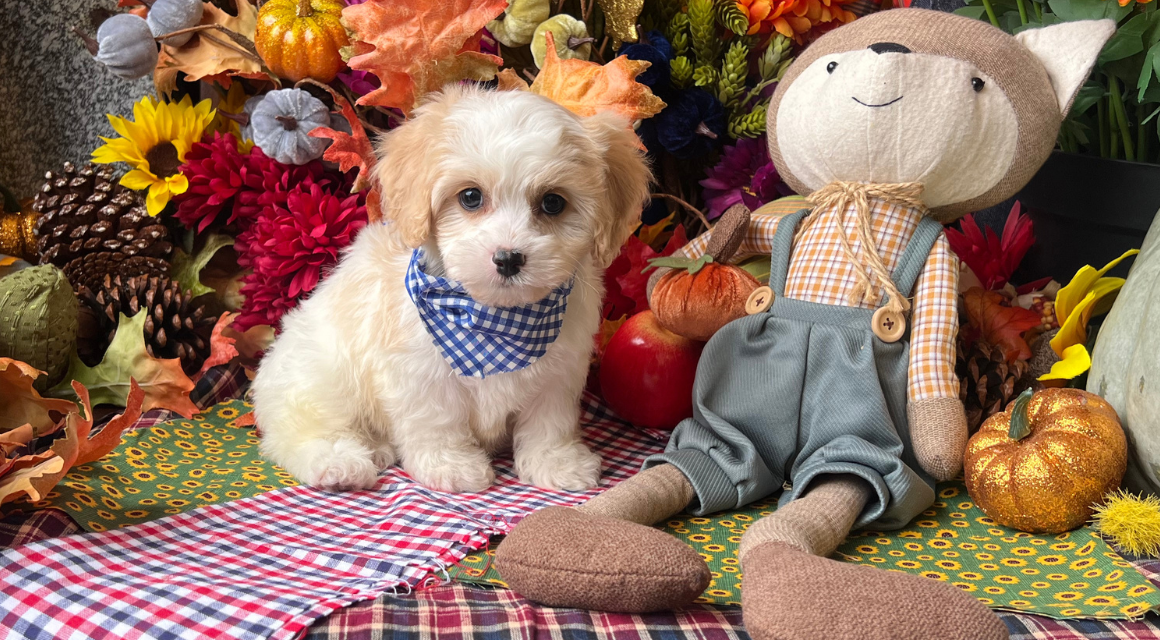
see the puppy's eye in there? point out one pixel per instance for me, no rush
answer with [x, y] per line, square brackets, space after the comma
[977, 84]
[830, 67]
[553, 204]
[471, 199]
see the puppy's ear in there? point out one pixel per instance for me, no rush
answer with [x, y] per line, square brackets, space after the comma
[626, 183]
[407, 170]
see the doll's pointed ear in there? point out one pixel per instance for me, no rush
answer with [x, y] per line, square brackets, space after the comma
[1068, 50]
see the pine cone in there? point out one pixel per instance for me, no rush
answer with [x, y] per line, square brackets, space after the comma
[83, 211]
[90, 270]
[172, 329]
[987, 382]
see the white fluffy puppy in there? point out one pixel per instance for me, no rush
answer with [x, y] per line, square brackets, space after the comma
[512, 197]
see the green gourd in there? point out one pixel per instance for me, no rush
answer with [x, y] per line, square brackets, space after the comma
[520, 19]
[568, 34]
[1126, 363]
[38, 321]
[167, 16]
[281, 124]
[125, 45]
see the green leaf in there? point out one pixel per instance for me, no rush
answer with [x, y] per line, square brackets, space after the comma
[1020, 424]
[1086, 98]
[1127, 41]
[972, 12]
[1148, 71]
[1071, 10]
[166, 386]
[187, 269]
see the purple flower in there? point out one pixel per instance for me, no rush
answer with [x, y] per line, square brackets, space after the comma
[360, 82]
[745, 175]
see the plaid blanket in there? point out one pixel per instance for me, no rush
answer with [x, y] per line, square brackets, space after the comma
[459, 612]
[269, 565]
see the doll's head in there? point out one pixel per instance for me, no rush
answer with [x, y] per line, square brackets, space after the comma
[909, 95]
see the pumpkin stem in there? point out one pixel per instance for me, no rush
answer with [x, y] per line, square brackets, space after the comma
[242, 119]
[289, 123]
[148, 3]
[703, 130]
[304, 9]
[575, 43]
[1020, 423]
[728, 233]
[90, 44]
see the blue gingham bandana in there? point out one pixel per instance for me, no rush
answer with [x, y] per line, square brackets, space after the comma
[478, 340]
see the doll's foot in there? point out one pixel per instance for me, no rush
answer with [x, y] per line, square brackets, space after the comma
[788, 594]
[565, 558]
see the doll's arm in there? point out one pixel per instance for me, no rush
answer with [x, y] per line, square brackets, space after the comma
[938, 425]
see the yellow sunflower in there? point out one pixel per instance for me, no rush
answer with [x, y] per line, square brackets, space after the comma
[154, 143]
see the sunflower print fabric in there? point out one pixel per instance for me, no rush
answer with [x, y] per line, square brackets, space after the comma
[167, 469]
[1067, 576]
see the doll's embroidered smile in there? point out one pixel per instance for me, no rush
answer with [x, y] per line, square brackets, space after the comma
[875, 106]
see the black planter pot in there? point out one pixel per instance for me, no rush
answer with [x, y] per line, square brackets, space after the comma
[1086, 210]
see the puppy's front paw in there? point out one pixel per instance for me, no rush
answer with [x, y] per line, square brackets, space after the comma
[570, 468]
[342, 465]
[451, 471]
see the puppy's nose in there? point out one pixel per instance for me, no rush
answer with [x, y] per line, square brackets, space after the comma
[507, 262]
[888, 47]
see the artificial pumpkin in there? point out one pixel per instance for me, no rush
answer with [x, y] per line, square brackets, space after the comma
[520, 19]
[301, 38]
[708, 293]
[568, 34]
[281, 124]
[125, 45]
[1040, 465]
[1126, 363]
[167, 16]
[38, 321]
[18, 232]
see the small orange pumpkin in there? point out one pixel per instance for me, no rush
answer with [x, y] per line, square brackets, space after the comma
[300, 38]
[1040, 465]
[698, 297]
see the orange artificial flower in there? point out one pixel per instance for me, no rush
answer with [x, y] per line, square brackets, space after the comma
[792, 18]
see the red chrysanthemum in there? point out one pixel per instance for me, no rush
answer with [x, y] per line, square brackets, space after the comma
[275, 181]
[289, 246]
[216, 174]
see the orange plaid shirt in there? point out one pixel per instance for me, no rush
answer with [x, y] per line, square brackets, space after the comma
[819, 272]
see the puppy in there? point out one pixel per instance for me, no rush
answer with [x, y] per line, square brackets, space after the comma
[518, 205]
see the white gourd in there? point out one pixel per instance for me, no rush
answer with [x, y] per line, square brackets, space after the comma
[167, 16]
[125, 45]
[1126, 359]
[281, 124]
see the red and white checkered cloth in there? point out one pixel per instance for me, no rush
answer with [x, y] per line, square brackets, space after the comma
[267, 566]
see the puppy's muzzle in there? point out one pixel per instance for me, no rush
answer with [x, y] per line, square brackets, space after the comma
[507, 262]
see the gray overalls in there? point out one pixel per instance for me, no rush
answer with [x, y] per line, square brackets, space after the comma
[801, 390]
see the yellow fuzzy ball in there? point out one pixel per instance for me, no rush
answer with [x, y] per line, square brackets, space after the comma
[1132, 522]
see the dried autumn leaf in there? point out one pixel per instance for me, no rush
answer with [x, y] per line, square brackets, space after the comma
[21, 404]
[164, 384]
[649, 233]
[419, 45]
[92, 448]
[187, 269]
[509, 80]
[222, 348]
[607, 328]
[349, 150]
[999, 324]
[212, 52]
[585, 88]
[27, 481]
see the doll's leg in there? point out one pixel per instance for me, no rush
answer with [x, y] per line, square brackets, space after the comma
[602, 555]
[793, 592]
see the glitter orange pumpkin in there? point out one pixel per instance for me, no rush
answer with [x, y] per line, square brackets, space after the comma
[1040, 465]
[301, 38]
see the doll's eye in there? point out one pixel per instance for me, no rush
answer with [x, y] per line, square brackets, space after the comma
[471, 199]
[553, 204]
[830, 67]
[977, 84]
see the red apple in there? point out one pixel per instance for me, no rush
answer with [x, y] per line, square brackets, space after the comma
[646, 374]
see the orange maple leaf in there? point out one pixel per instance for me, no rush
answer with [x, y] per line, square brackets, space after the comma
[21, 404]
[584, 88]
[998, 324]
[222, 348]
[349, 150]
[419, 45]
[91, 449]
[212, 53]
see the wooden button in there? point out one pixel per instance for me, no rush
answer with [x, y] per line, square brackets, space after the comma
[759, 300]
[888, 325]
